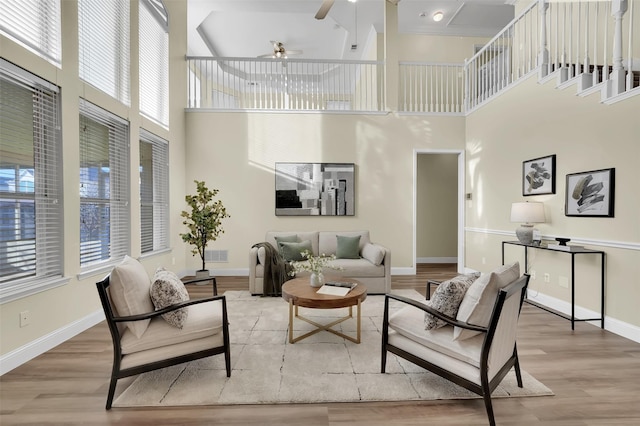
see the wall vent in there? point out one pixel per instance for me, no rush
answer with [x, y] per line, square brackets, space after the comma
[216, 256]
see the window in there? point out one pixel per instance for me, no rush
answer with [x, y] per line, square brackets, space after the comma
[154, 192]
[34, 24]
[30, 184]
[154, 61]
[104, 186]
[103, 34]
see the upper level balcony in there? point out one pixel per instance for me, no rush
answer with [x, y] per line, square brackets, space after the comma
[590, 44]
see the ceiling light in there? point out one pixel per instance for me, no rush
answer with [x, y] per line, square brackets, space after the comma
[437, 16]
[352, 1]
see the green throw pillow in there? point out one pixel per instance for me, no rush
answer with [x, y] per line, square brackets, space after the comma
[348, 247]
[285, 239]
[292, 251]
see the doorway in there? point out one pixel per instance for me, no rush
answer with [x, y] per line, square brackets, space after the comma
[439, 207]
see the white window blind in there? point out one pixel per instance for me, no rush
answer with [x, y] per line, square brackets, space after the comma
[103, 35]
[154, 61]
[104, 185]
[31, 234]
[154, 192]
[35, 24]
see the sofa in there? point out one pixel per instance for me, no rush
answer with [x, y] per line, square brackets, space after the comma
[370, 264]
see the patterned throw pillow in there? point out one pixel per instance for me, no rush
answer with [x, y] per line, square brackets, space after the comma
[447, 298]
[167, 289]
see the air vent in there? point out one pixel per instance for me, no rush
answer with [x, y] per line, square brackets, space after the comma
[216, 256]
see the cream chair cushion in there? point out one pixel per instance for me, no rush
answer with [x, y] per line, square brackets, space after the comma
[129, 291]
[478, 302]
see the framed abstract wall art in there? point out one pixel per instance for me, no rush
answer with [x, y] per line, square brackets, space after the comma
[539, 176]
[590, 193]
[315, 189]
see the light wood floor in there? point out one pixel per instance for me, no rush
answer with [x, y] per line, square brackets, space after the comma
[594, 374]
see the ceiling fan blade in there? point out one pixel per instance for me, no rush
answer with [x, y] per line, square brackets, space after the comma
[324, 9]
[294, 52]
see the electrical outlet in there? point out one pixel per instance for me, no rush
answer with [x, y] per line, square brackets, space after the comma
[563, 282]
[25, 318]
[547, 278]
[484, 260]
[532, 274]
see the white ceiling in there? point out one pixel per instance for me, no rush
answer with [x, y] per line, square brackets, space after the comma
[245, 28]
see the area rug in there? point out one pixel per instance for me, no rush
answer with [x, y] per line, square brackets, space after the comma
[266, 369]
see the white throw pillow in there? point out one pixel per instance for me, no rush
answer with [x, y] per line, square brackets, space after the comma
[447, 298]
[477, 304]
[167, 289]
[373, 253]
[129, 287]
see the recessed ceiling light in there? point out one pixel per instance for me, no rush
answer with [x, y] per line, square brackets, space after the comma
[437, 16]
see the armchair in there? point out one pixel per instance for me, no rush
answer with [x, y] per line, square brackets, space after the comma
[142, 339]
[477, 363]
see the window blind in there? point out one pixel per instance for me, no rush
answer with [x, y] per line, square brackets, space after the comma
[35, 24]
[103, 36]
[104, 185]
[154, 61]
[30, 180]
[154, 192]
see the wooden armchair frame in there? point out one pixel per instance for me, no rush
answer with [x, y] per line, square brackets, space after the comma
[113, 321]
[486, 387]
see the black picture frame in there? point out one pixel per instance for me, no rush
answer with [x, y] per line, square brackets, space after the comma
[590, 194]
[539, 176]
[315, 189]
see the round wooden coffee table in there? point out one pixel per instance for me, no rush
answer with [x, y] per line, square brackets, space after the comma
[299, 293]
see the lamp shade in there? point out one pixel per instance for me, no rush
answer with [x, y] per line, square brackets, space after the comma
[527, 212]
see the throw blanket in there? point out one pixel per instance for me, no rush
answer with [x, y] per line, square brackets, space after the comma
[276, 270]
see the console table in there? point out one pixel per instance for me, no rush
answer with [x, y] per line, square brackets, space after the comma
[573, 254]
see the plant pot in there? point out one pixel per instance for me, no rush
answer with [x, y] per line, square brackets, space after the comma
[316, 280]
[202, 273]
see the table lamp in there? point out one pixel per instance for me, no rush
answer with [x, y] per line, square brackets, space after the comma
[527, 214]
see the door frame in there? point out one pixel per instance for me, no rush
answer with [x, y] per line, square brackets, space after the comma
[461, 201]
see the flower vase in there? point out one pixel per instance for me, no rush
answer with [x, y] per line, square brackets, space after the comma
[316, 280]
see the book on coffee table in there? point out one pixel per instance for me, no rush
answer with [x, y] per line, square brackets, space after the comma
[336, 288]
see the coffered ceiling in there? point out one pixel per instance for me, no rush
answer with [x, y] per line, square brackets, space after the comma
[247, 28]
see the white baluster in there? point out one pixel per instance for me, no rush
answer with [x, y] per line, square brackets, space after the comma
[543, 56]
[616, 84]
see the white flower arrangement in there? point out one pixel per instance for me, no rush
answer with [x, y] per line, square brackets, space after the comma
[313, 264]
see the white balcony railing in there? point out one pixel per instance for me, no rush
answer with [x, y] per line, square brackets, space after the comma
[431, 88]
[285, 84]
[589, 43]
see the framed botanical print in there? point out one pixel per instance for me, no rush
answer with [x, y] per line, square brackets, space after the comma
[590, 193]
[539, 176]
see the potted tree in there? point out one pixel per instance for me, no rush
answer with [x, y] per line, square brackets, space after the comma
[204, 221]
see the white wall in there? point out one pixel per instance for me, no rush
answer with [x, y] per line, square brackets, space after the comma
[534, 120]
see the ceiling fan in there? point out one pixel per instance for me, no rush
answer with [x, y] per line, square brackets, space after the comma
[324, 9]
[279, 51]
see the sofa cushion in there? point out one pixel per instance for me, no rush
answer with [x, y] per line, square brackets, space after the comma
[167, 289]
[328, 243]
[477, 304]
[348, 247]
[356, 268]
[302, 235]
[293, 251]
[447, 298]
[129, 287]
[285, 239]
[373, 253]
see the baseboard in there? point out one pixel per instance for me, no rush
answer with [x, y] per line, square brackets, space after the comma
[403, 271]
[437, 260]
[613, 325]
[25, 353]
